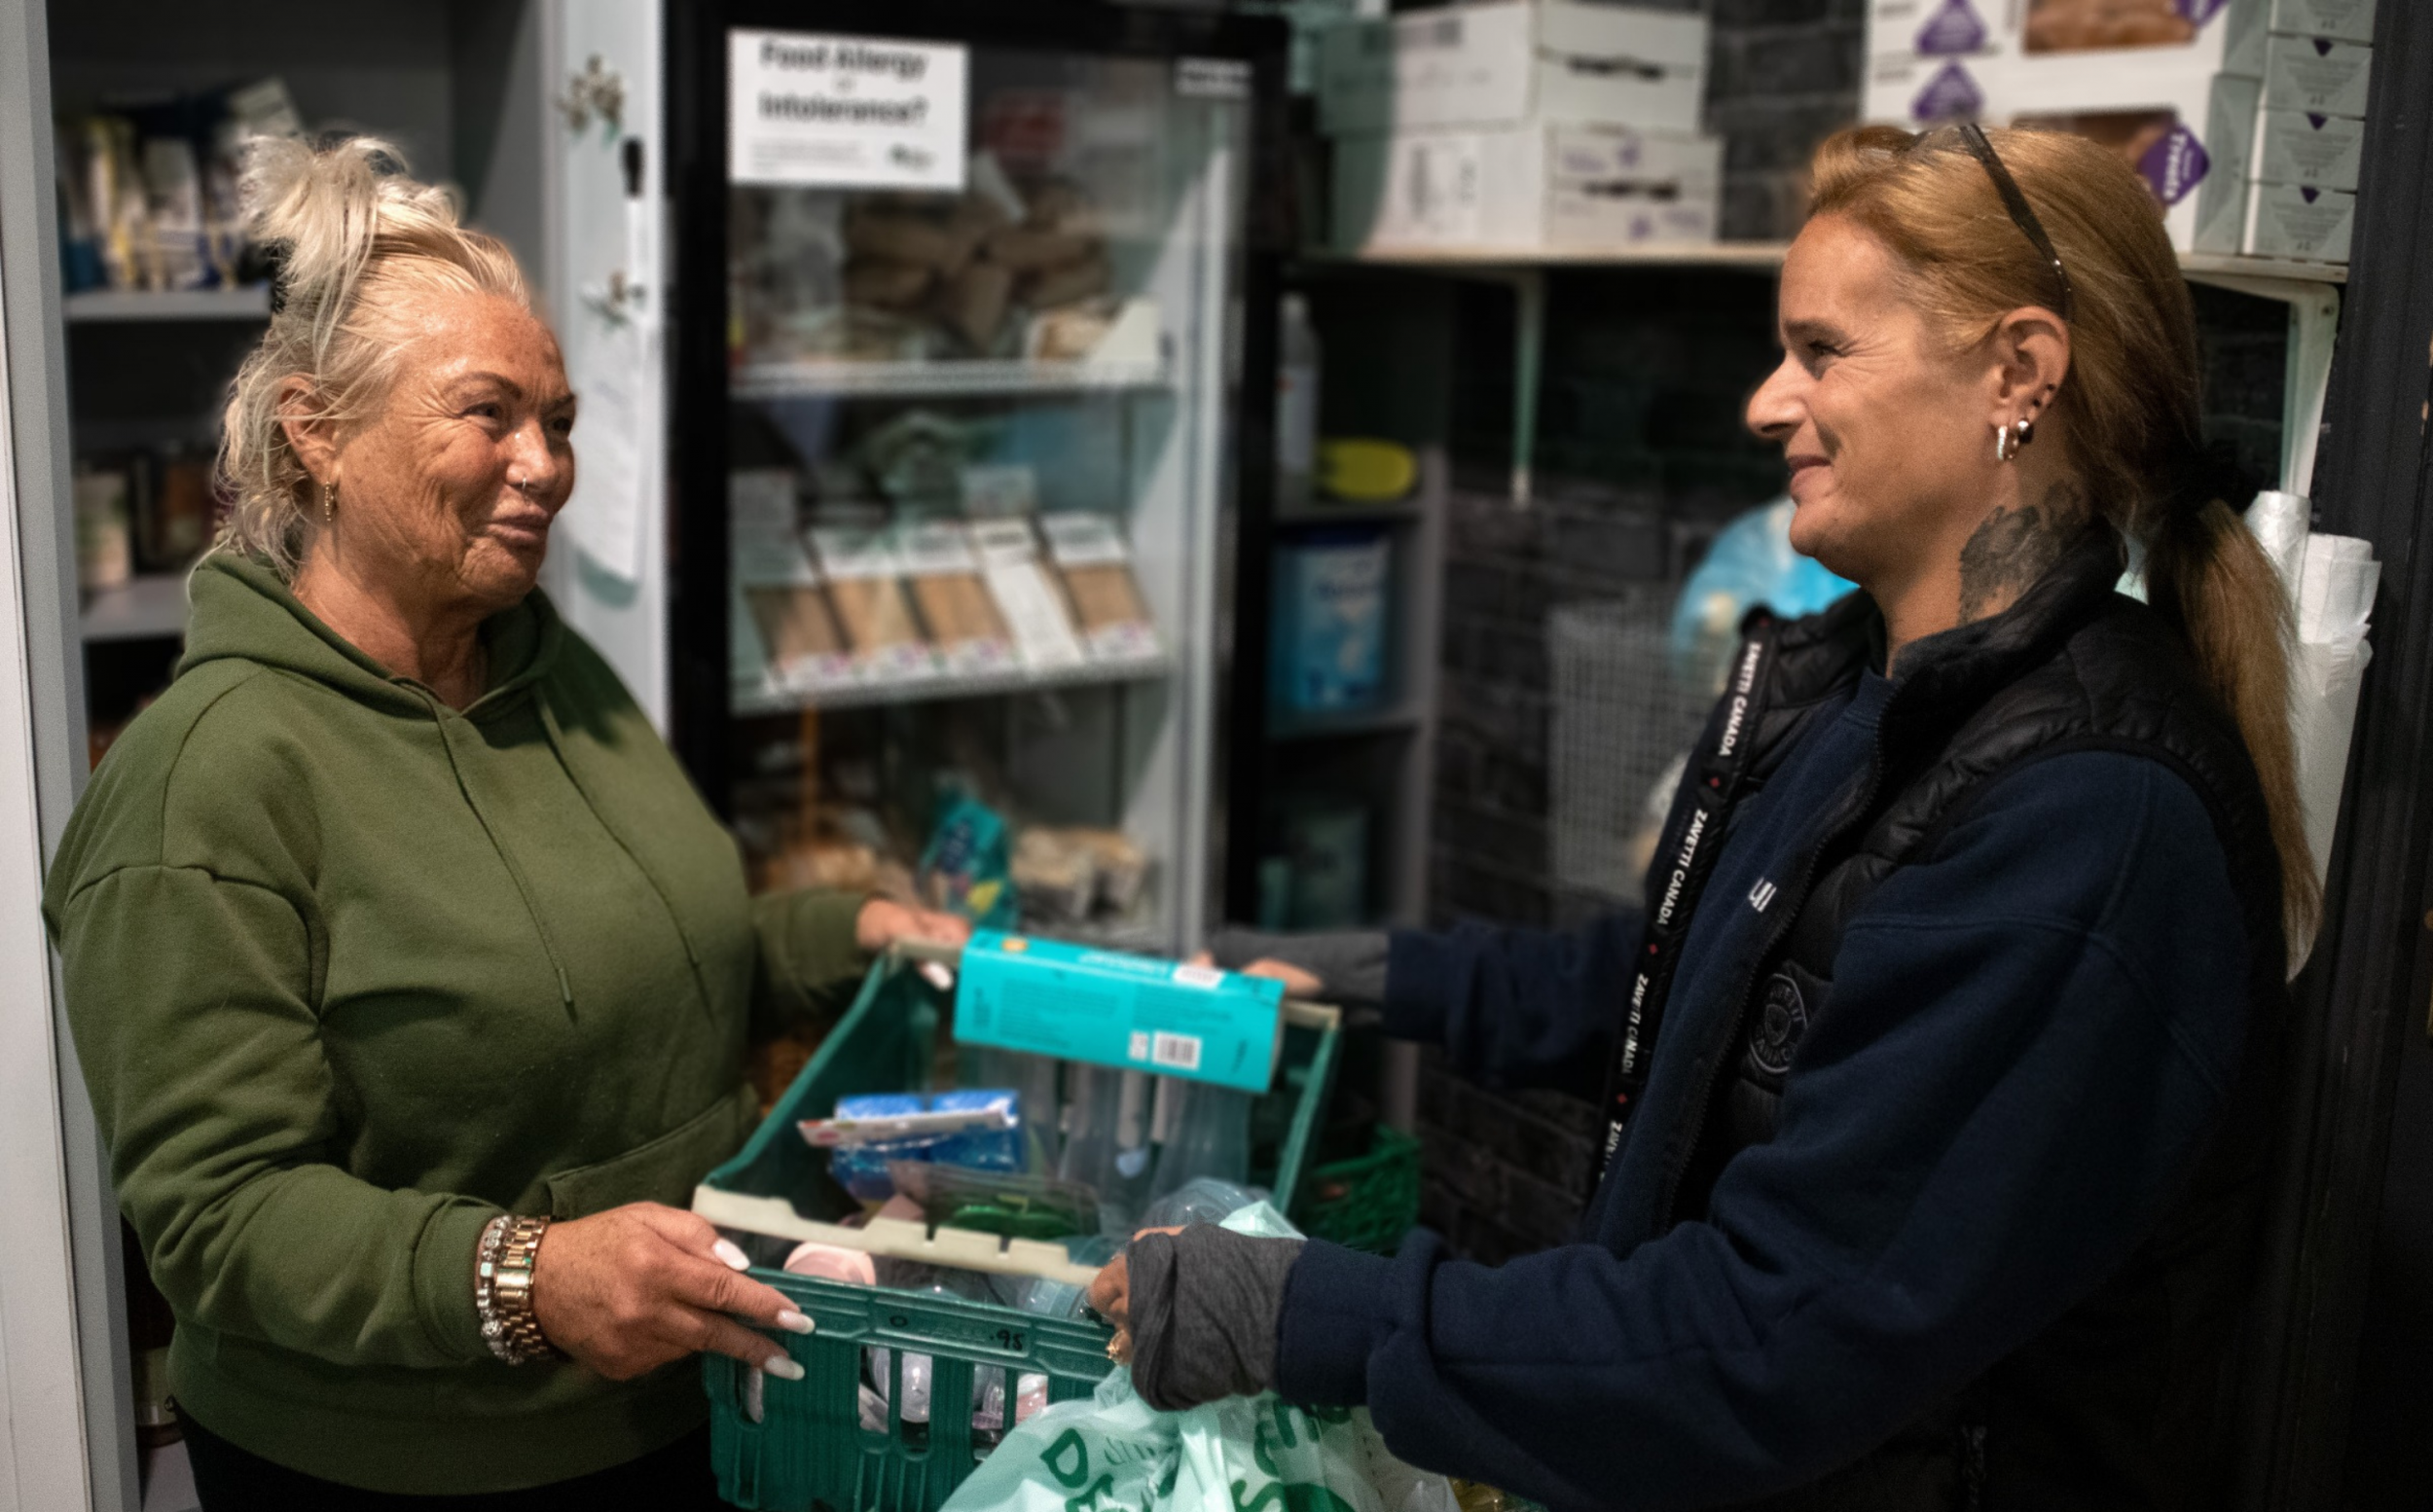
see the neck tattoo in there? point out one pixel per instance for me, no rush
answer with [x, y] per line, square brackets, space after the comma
[2015, 547]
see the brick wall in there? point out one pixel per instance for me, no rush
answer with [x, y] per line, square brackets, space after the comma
[1640, 457]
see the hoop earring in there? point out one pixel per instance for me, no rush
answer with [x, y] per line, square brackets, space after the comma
[2007, 438]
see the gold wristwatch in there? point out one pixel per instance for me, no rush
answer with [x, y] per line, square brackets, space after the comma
[502, 1288]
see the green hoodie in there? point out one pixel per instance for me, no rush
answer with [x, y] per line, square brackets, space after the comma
[350, 972]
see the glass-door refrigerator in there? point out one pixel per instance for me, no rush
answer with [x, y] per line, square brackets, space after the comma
[967, 396]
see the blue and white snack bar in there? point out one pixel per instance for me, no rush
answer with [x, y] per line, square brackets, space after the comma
[994, 1145]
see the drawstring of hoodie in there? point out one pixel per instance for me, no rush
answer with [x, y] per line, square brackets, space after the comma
[514, 869]
[558, 747]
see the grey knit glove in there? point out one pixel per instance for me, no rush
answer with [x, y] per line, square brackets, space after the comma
[1202, 1307]
[1350, 965]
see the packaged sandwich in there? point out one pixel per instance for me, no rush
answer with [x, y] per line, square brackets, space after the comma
[785, 630]
[865, 584]
[1027, 599]
[965, 628]
[1090, 554]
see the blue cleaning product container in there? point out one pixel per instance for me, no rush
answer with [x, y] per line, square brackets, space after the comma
[1332, 612]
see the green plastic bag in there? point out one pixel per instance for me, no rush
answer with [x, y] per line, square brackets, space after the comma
[1116, 1454]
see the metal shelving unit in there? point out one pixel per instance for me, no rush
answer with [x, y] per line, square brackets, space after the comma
[944, 685]
[252, 303]
[153, 604]
[943, 378]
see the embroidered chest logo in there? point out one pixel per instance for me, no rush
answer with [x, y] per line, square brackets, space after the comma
[1781, 1025]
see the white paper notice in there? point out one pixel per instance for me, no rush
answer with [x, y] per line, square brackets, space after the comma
[613, 451]
[848, 112]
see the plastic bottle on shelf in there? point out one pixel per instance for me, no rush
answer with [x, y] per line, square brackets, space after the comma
[1106, 1146]
[1298, 372]
[1033, 1080]
[1210, 1136]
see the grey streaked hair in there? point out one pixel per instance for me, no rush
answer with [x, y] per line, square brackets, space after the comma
[360, 244]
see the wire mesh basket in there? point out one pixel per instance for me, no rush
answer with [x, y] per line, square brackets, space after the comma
[1622, 724]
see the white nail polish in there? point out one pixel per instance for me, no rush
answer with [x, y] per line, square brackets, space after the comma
[939, 977]
[731, 1255]
[783, 1368]
[794, 1322]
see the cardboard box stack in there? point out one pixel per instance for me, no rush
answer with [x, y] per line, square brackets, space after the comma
[1519, 126]
[2244, 116]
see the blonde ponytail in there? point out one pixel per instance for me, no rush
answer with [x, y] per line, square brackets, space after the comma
[2130, 400]
[2206, 572]
[355, 241]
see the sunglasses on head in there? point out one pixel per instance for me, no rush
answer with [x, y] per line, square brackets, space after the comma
[1973, 136]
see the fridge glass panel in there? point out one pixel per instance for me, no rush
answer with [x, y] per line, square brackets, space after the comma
[977, 442]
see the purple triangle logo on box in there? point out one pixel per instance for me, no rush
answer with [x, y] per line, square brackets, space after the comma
[1953, 28]
[2175, 164]
[2323, 47]
[1950, 95]
[2199, 11]
[2310, 196]
[2318, 122]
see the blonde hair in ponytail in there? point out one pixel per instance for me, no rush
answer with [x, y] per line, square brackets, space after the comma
[2130, 398]
[361, 245]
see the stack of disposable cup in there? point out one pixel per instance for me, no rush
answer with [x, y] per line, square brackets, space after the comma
[2331, 581]
[2336, 586]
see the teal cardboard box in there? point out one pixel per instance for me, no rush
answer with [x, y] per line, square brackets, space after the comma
[1048, 998]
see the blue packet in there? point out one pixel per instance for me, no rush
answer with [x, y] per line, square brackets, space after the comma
[861, 1169]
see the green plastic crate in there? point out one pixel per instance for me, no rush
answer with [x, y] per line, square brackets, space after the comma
[1368, 1202]
[808, 1450]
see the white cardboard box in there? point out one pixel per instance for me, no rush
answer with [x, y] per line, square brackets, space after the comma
[1943, 28]
[1526, 187]
[2213, 36]
[2348, 21]
[2317, 74]
[2190, 134]
[2300, 220]
[2303, 147]
[1553, 61]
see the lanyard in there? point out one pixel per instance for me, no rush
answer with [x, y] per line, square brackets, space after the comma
[1686, 854]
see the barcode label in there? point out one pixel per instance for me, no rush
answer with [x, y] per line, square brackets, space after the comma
[1182, 1052]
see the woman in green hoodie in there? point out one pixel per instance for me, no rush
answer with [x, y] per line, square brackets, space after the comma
[412, 979]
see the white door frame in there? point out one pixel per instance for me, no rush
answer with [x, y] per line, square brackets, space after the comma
[66, 1409]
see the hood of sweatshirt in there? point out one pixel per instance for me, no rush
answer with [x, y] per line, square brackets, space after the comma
[243, 609]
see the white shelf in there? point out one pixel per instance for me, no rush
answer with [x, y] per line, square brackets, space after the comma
[135, 305]
[1657, 254]
[942, 378]
[144, 607]
[931, 690]
[1314, 517]
[1761, 255]
[1393, 719]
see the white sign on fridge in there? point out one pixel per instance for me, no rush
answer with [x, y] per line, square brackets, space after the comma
[613, 449]
[828, 110]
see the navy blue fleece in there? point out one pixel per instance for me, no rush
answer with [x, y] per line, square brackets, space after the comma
[2027, 1040]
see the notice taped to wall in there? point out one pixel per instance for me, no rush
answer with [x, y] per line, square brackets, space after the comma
[826, 111]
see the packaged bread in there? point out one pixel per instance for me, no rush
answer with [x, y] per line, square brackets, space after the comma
[974, 303]
[785, 637]
[1030, 602]
[1055, 876]
[1090, 554]
[940, 244]
[1053, 287]
[1118, 867]
[965, 628]
[865, 584]
[885, 283]
[1033, 248]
